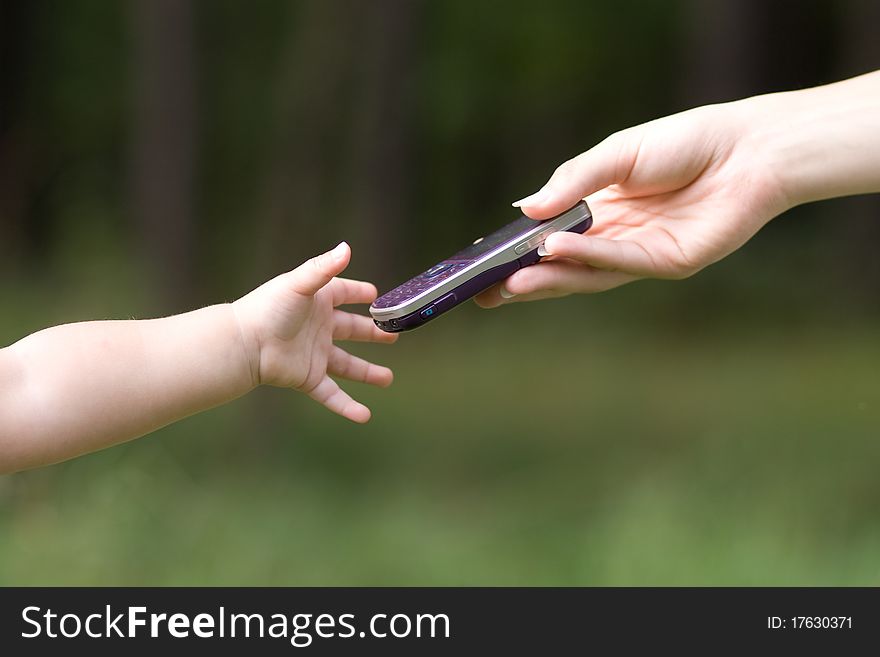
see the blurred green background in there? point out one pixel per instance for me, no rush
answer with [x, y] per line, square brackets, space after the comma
[160, 155]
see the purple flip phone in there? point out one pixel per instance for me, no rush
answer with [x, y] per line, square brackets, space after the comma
[475, 268]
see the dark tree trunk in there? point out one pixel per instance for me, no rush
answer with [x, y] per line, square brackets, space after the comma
[15, 165]
[378, 211]
[310, 109]
[163, 154]
[725, 43]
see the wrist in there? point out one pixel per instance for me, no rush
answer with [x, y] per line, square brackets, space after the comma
[249, 339]
[774, 145]
[822, 142]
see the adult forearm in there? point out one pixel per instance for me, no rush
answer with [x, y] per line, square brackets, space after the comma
[821, 142]
[80, 387]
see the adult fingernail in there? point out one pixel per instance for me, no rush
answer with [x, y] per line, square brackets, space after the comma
[504, 292]
[339, 252]
[548, 243]
[534, 199]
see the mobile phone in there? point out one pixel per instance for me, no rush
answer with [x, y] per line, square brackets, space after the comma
[475, 268]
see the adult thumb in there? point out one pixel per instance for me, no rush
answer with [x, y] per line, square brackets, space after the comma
[608, 162]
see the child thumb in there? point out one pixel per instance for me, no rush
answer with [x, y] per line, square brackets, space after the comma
[314, 274]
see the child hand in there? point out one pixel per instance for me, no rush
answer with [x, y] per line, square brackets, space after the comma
[289, 325]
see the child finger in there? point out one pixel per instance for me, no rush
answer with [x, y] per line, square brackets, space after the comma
[348, 366]
[348, 326]
[346, 290]
[337, 400]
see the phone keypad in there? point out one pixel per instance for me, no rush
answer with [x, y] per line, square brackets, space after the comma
[415, 286]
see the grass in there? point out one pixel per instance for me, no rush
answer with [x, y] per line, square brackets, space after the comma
[522, 448]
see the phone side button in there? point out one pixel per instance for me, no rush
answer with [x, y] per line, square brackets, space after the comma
[519, 249]
[538, 239]
[445, 302]
[440, 305]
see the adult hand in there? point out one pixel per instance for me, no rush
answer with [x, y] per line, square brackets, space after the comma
[674, 195]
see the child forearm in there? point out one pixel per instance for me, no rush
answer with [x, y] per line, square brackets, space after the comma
[73, 389]
[76, 388]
